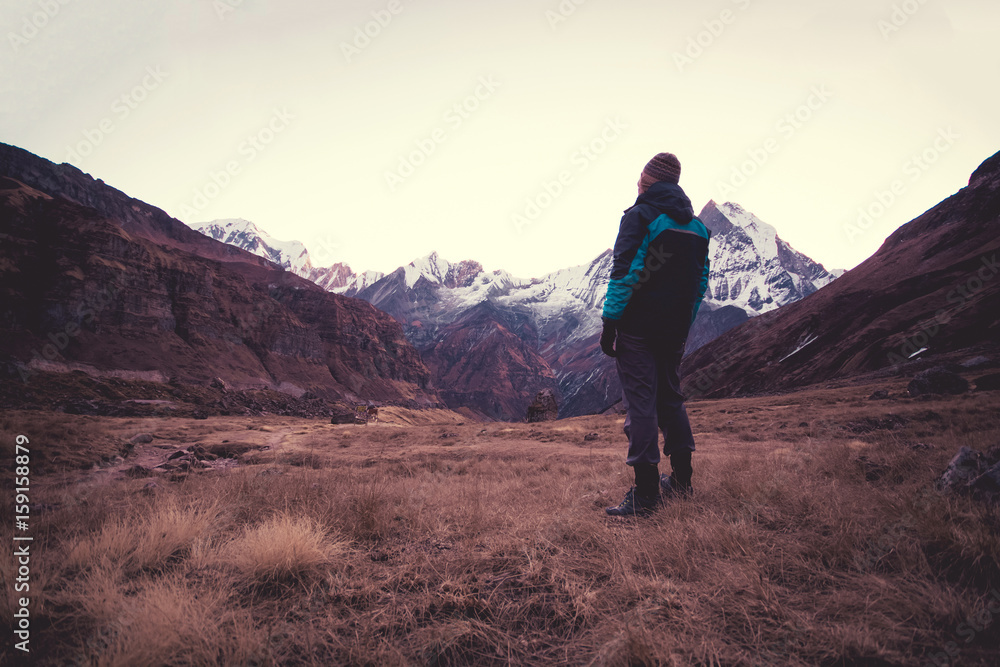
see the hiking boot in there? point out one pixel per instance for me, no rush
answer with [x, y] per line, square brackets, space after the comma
[671, 488]
[635, 505]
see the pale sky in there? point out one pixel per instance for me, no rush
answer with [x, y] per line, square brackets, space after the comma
[441, 127]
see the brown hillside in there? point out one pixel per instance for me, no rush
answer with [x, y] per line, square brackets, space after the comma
[933, 284]
[81, 290]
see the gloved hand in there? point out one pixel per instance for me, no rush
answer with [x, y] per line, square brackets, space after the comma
[608, 338]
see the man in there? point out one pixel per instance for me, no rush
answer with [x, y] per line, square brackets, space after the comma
[658, 280]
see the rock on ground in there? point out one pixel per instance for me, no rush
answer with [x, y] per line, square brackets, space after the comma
[937, 380]
[975, 473]
[989, 382]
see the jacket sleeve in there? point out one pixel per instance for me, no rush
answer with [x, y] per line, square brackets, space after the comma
[631, 237]
[702, 288]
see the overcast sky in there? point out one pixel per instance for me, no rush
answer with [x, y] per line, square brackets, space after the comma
[509, 132]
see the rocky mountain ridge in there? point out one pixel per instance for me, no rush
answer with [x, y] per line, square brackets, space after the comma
[444, 306]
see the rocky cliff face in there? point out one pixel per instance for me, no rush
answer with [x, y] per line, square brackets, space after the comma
[930, 293]
[85, 290]
[484, 362]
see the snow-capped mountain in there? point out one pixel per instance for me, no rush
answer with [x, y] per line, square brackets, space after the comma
[340, 279]
[752, 267]
[492, 340]
[290, 255]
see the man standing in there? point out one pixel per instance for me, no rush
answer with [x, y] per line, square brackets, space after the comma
[658, 280]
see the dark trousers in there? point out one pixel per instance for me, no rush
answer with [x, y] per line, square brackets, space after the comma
[652, 396]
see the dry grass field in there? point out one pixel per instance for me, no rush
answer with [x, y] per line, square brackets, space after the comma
[815, 538]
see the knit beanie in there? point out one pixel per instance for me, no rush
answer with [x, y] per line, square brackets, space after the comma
[663, 167]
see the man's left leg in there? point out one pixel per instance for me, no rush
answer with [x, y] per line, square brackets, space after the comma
[672, 418]
[637, 373]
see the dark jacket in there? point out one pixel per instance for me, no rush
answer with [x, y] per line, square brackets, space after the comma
[660, 270]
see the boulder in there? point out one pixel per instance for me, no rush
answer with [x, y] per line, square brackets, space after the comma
[989, 382]
[342, 415]
[141, 439]
[976, 362]
[965, 466]
[544, 408]
[974, 473]
[228, 450]
[987, 485]
[937, 380]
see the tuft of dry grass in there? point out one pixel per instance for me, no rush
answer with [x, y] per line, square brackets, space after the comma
[136, 542]
[280, 549]
[170, 622]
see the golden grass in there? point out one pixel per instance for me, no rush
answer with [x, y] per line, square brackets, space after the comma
[281, 548]
[170, 622]
[810, 540]
[68, 442]
[136, 542]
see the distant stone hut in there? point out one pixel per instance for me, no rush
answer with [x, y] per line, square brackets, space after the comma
[544, 408]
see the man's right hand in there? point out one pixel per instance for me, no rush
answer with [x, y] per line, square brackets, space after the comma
[608, 338]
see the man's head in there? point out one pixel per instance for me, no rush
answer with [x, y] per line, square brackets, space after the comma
[663, 167]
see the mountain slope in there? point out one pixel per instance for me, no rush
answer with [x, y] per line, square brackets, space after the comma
[148, 297]
[932, 291]
[482, 361]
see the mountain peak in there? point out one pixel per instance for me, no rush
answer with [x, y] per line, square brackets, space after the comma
[438, 271]
[989, 170]
[751, 266]
[290, 255]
